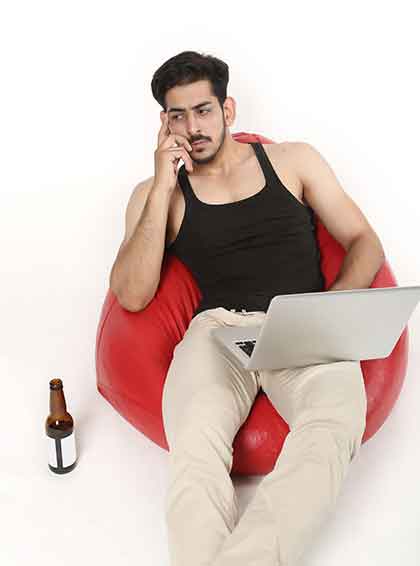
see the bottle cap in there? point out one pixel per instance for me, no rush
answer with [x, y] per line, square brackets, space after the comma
[56, 384]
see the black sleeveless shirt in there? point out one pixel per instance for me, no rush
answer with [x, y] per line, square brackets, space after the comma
[244, 253]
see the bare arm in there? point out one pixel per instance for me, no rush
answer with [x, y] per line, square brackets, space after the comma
[135, 274]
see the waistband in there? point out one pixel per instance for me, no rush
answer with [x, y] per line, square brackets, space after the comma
[243, 311]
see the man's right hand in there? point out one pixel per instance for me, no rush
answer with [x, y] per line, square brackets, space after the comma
[167, 157]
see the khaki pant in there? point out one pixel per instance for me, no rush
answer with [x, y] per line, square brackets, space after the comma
[207, 397]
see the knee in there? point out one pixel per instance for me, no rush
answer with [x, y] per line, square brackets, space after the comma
[355, 423]
[349, 428]
[209, 420]
[201, 452]
[356, 432]
[348, 417]
[349, 433]
[331, 437]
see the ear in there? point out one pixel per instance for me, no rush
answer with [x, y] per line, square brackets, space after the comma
[229, 110]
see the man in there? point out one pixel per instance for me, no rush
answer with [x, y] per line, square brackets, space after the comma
[241, 218]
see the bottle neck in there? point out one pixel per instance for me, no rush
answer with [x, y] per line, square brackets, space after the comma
[57, 403]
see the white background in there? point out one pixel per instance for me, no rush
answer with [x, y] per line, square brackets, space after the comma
[78, 131]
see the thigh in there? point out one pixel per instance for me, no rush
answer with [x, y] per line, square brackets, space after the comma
[204, 385]
[321, 392]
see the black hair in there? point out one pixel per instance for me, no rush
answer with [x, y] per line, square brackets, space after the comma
[188, 67]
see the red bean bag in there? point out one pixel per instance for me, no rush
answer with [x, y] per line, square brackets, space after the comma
[134, 351]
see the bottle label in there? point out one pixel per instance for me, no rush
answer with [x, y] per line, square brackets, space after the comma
[62, 452]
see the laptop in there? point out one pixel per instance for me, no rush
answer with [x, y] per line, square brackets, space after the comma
[300, 329]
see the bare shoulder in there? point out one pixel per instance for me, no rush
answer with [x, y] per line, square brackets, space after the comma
[284, 154]
[280, 150]
[308, 160]
[300, 149]
[295, 153]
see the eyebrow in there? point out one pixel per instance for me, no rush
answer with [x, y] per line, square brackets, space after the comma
[173, 109]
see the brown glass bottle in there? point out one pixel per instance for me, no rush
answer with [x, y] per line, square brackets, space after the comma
[59, 428]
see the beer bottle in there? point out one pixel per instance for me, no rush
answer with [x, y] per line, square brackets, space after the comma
[60, 433]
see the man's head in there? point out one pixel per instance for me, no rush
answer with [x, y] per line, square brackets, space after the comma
[191, 88]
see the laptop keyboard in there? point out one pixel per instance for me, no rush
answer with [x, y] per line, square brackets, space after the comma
[246, 346]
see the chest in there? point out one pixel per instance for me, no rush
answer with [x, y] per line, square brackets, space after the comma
[245, 183]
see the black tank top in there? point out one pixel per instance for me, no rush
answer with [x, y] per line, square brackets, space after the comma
[244, 253]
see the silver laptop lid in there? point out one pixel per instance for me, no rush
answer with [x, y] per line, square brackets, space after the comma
[321, 327]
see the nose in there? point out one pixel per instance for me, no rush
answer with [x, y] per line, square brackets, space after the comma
[192, 127]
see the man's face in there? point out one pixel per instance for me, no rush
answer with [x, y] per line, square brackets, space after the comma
[193, 112]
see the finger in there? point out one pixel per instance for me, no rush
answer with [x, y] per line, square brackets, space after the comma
[164, 130]
[180, 140]
[183, 154]
[183, 141]
[177, 156]
[188, 162]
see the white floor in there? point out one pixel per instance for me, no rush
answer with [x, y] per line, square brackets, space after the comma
[79, 128]
[109, 510]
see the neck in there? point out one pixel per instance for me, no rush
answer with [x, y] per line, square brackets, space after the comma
[231, 155]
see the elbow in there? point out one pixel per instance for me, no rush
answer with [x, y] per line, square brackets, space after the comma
[128, 303]
[130, 306]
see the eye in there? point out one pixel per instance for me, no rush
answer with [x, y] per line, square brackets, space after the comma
[200, 110]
